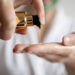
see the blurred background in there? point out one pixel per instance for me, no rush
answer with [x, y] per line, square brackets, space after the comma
[69, 6]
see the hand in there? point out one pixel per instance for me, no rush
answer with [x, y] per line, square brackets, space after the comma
[38, 5]
[8, 17]
[53, 52]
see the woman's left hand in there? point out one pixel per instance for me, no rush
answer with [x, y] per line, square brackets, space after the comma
[54, 52]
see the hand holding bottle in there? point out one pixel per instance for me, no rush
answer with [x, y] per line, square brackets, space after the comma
[8, 17]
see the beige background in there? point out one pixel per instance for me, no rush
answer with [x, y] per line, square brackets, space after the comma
[69, 6]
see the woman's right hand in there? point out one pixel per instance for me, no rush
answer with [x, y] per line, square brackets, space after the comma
[8, 17]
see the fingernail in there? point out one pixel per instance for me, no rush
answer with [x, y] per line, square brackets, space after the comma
[42, 20]
[67, 39]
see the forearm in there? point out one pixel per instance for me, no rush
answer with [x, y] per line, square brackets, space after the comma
[70, 69]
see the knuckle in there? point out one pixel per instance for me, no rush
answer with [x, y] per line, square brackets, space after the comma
[5, 38]
[12, 25]
[7, 31]
[6, 34]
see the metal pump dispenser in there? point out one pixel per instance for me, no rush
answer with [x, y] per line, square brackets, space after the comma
[24, 20]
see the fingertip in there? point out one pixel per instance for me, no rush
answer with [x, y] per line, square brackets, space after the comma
[42, 20]
[18, 48]
[66, 40]
[42, 17]
[39, 7]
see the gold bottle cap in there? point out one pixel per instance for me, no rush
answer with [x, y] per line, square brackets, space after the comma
[24, 19]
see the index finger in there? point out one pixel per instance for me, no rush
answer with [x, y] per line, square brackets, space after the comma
[52, 48]
[39, 7]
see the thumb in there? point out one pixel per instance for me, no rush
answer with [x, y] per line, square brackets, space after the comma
[8, 19]
[69, 40]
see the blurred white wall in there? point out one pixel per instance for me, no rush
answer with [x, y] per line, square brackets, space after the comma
[69, 6]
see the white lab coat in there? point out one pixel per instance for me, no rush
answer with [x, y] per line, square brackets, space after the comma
[28, 64]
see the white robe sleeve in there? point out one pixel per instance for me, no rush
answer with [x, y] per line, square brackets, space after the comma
[73, 27]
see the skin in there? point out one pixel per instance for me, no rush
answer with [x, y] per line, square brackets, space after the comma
[63, 52]
[53, 52]
[8, 17]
